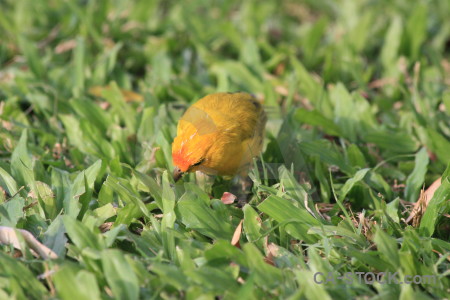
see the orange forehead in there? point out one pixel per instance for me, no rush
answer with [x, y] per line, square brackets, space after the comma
[182, 154]
[188, 149]
[180, 160]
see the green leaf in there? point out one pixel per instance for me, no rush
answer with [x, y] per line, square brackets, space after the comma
[119, 106]
[73, 283]
[223, 250]
[146, 128]
[446, 101]
[126, 193]
[34, 60]
[21, 164]
[328, 230]
[8, 182]
[104, 212]
[252, 226]
[238, 73]
[119, 275]
[20, 279]
[196, 215]
[314, 117]
[388, 249]
[55, 238]
[113, 234]
[376, 181]
[327, 153]
[310, 289]
[162, 69]
[397, 142]
[308, 85]
[218, 280]
[75, 136]
[345, 116]
[168, 221]
[433, 212]
[168, 200]
[416, 178]
[83, 183]
[392, 210]
[391, 43]
[355, 156]
[416, 29]
[61, 185]
[325, 188]
[11, 211]
[265, 274]
[47, 199]
[369, 258]
[350, 183]
[249, 54]
[91, 111]
[313, 38]
[293, 188]
[81, 235]
[127, 214]
[170, 274]
[439, 145]
[247, 290]
[297, 221]
[79, 67]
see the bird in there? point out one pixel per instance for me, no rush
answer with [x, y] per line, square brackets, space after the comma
[220, 134]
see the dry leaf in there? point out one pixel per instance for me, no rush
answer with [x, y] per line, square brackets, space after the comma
[422, 202]
[228, 198]
[57, 151]
[240, 280]
[9, 236]
[282, 90]
[65, 46]
[272, 252]
[106, 226]
[237, 235]
[419, 209]
[378, 83]
[440, 254]
[6, 125]
[129, 96]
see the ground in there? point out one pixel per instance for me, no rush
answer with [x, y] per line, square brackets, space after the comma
[358, 101]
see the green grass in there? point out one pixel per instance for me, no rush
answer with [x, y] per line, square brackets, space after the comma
[358, 98]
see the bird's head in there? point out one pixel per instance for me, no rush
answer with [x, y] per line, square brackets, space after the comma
[188, 153]
[195, 135]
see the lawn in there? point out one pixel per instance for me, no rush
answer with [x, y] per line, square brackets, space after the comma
[357, 95]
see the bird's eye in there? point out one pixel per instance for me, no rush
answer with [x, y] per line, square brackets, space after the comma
[198, 163]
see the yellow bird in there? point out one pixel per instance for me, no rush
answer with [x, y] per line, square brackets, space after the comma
[219, 135]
